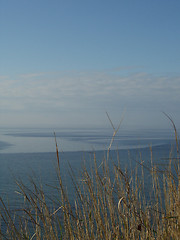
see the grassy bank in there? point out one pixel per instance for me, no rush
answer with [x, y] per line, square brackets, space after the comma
[110, 203]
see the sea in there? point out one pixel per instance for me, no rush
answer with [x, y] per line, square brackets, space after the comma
[30, 153]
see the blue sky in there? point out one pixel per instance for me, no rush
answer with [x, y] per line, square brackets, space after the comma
[65, 63]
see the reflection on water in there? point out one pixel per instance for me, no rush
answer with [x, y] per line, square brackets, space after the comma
[42, 140]
[4, 145]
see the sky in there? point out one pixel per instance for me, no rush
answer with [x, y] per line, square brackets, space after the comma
[65, 63]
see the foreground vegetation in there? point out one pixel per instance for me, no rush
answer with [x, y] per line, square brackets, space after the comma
[107, 205]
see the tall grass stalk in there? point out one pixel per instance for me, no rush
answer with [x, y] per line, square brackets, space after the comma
[109, 204]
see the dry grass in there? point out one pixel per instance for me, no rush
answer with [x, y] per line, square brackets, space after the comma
[106, 206]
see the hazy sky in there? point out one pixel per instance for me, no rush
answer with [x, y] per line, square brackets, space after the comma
[67, 62]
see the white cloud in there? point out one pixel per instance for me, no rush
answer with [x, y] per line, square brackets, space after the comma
[31, 75]
[3, 77]
[82, 91]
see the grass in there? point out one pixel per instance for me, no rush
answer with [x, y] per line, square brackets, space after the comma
[109, 204]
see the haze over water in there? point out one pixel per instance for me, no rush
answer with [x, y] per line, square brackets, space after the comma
[16, 140]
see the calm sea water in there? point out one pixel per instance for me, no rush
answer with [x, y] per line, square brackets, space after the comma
[31, 152]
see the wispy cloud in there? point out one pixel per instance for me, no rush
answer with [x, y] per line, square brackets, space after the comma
[2, 77]
[31, 75]
[85, 85]
[80, 91]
